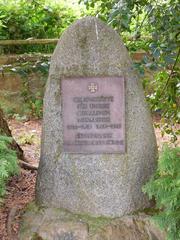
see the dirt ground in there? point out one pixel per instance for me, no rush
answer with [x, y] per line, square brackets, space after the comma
[21, 188]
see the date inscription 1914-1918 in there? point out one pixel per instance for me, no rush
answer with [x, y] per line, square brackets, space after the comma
[93, 115]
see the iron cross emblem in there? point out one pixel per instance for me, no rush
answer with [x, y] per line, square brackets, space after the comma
[93, 87]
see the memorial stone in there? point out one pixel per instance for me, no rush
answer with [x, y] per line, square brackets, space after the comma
[98, 142]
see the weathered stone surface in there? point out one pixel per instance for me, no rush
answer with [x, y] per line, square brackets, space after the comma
[130, 228]
[98, 184]
[57, 224]
[52, 224]
[63, 231]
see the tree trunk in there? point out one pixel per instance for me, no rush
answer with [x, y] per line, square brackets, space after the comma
[4, 130]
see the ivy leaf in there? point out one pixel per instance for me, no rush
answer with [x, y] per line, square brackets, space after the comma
[169, 59]
[156, 53]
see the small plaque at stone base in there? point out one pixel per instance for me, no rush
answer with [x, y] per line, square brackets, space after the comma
[93, 115]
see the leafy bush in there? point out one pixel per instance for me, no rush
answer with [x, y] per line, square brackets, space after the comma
[23, 19]
[8, 162]
[154, 27]
[168, 106]
[165, 187]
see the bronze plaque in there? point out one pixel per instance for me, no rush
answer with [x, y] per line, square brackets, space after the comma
[93, 115]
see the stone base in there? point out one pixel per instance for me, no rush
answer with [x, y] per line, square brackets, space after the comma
[58, 224]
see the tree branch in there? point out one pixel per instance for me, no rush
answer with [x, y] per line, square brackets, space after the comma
[27, 166]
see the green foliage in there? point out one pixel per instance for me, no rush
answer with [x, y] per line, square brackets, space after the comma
[24, 19]
[165, 188]
[158, 22]
[169, 101]
[154, 27]
[8, 162]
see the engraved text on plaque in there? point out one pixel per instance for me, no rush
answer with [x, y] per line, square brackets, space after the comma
[93, 115]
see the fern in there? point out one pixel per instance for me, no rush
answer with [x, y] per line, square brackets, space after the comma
[165, 187]
[8, 162]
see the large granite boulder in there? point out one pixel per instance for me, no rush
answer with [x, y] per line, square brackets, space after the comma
[97, 184]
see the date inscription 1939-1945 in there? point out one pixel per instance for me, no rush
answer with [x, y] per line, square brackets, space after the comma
[93, 115]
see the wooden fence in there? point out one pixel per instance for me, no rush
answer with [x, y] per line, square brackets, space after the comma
[11, 58]
[28, 42]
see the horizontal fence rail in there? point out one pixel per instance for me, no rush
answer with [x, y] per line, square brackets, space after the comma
[12, 58]
[28, 42]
